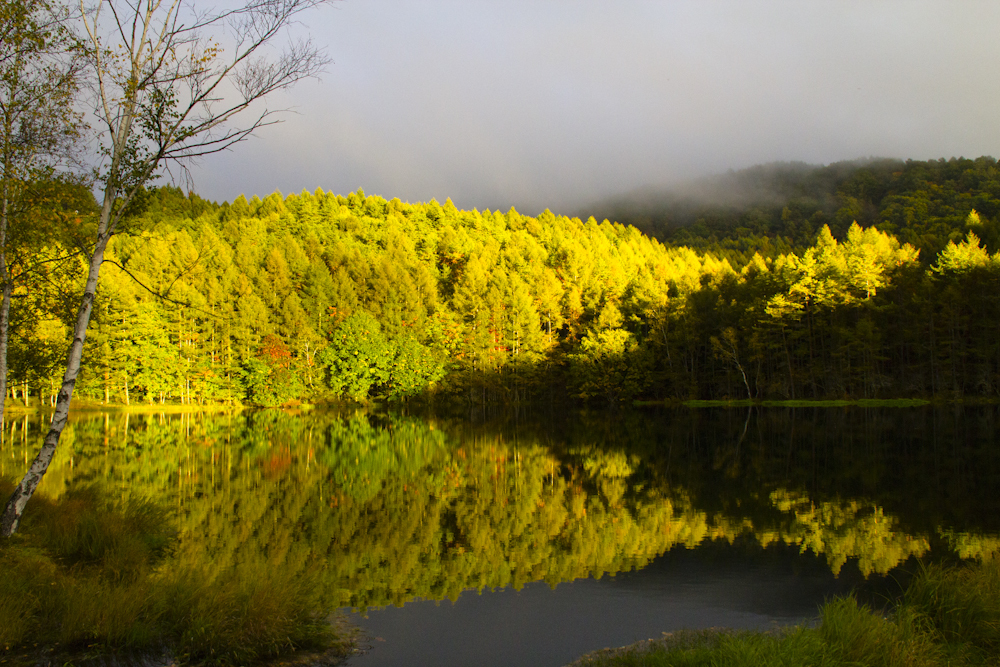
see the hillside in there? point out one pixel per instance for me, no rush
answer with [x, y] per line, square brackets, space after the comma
[776, 207]
[319, 296]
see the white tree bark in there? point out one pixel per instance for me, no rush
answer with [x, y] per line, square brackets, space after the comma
[160, 99]
[22, 493]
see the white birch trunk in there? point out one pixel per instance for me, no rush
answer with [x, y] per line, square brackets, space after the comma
[4, 326]
[4, 303]
[22, 493]
[152, 64]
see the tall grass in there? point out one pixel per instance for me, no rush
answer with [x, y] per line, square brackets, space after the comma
[962, 605]
[245, 616]
[947, 616]
[854, 634]
[88, 574]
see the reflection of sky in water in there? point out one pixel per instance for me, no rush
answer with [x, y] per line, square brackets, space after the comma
[544, 627]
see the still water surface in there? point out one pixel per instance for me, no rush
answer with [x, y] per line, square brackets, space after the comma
[533, 540]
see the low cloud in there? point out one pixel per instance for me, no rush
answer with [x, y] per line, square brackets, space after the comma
[538, 105]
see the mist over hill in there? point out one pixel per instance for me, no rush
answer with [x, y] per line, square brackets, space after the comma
[674, 204]
[765, 189]
[780, 207]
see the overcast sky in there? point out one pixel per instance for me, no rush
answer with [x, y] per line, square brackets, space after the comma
[548, 103]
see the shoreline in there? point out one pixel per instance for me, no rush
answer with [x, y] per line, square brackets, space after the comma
[814, 403]
[677, 640]
[20, 410]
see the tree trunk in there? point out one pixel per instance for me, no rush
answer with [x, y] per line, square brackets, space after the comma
[5, 280]
[4, 326]
[22, 493]
[788, 359]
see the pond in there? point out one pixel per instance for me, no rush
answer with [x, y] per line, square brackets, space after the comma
[532, 539]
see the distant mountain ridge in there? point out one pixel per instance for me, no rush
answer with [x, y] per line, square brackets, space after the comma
[925, 203]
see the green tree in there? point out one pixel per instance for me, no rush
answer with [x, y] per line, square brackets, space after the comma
[270, 377]
[364, 362]
[39, 77]
[159, 100]
[359, 357]
[610, 365]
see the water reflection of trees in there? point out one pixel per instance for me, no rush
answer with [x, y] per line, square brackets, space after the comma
[392, 508]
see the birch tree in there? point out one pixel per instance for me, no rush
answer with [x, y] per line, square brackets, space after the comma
[171, 83]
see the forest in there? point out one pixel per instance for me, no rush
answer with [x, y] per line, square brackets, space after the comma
[855, 280]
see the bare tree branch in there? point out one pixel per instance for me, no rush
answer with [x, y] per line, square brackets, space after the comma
[165, 93]
[163, 295]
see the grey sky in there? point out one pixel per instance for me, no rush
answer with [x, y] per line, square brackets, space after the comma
[548, 103]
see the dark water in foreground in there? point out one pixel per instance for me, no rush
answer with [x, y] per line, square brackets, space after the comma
[542, 626]
[530, 541]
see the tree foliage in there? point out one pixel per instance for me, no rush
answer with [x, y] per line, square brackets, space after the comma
[40, 73]
[165, 92]
[370, 299]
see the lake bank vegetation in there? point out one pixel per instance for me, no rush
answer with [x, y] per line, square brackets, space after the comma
[946, 616]
[84, 579]
[319, 296]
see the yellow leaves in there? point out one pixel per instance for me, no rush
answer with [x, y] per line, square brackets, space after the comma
[869, 254]
[757, 266]
[965, 256]
[832, 273]
[689, 271]
[715, 268]
[782, 306]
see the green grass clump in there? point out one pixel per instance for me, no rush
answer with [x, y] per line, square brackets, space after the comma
[87, 574]
[81, 571]
[122, 540]
[949, 616]
[805, 403]
[962, 604]
[247, 616]
[25, 589]
[720, 648]
[854, 634]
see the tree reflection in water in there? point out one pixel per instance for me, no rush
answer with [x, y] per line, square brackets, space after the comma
[394, 508]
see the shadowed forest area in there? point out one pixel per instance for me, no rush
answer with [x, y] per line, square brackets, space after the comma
[861, 280]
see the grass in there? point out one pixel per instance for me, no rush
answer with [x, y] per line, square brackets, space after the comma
[832, 403]
[947, 616]
[718, 648]
[87, 577]
[86, 405]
